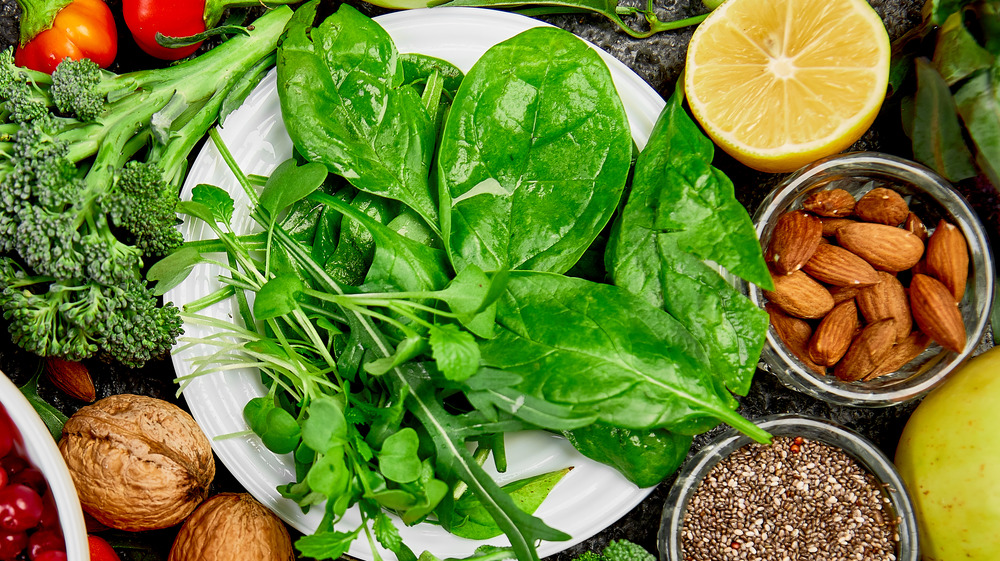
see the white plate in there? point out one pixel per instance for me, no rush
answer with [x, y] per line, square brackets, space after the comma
[43, 453]
[590, 498]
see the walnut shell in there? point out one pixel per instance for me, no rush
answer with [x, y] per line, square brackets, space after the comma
[138, 463]
[232, 526]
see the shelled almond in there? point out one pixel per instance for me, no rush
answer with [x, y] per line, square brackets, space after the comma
[874, 292]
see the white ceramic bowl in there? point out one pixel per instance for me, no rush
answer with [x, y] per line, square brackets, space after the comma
[42, 452]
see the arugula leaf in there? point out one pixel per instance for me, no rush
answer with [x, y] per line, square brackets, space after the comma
[534, 155]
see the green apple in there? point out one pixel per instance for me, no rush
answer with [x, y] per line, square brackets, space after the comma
[949, 458]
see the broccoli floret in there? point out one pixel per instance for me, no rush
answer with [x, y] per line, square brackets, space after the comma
[75, 321]
[143, 203]
[91, 163]
[24, 92]
[624, 550]
[618, 550]
[76, 88]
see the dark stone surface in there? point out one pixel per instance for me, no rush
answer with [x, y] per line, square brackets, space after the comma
[659, 61]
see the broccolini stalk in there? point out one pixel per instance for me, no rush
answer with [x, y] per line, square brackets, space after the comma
[90, 166]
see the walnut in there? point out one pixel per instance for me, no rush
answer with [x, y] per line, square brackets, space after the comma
[138, 463]
[232, 526]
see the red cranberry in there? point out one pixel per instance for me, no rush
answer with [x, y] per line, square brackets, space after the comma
[31, 477]
[13, 465]
[51, 555]
[45, 540]
[100, 550]
[4, 479]
[20, 508]
[12, 544]
[50, 515]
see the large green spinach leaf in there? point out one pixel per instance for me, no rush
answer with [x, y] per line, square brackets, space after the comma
[534, 155]
[345, 105]
[584, 343]
[681, 214]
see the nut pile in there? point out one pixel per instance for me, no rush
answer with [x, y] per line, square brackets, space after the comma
[862, 286]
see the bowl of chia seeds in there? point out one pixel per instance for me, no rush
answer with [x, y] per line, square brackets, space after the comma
[819, 491]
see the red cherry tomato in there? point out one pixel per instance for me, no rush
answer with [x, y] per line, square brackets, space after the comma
[20, 508]
[83, 29]
[146, 18]
[100, 550]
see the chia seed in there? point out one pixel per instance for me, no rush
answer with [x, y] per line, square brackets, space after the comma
[795, 500]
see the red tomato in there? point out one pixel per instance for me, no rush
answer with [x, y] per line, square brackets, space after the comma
[83, 29]
[146, 18]
[100, 550]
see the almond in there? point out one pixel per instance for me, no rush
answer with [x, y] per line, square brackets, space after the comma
[72, 378]
[947, 258]
[901, 353]
[831, 202]
[885, 247]
[800, 296]
[793, 241]
[794, 333]
[843, 293]
[833, 335]
[914, 225]
[883, 206]
[831, 225]
[867, 351]
[936, 312]
[837, 266]
[887, 299]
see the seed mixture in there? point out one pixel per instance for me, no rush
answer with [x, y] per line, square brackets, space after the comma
[795, 500]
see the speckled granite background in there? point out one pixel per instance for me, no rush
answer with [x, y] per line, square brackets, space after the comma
[659, 61]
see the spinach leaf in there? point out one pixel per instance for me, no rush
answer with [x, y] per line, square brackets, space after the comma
[534, 155]
[583, 343]
[644, 457]
[345, 106]
[681, 213]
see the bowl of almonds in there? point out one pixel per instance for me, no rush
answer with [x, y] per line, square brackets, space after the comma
[883, 279]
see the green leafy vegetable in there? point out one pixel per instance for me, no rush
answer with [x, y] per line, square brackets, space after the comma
[528, 494]
[681, 215]
[511, 196]
[346, 106]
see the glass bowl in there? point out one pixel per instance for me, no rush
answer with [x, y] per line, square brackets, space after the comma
[931, 198]
[41, 450]
[818, 430]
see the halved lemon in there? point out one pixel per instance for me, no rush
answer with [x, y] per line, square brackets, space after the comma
[780, 83]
